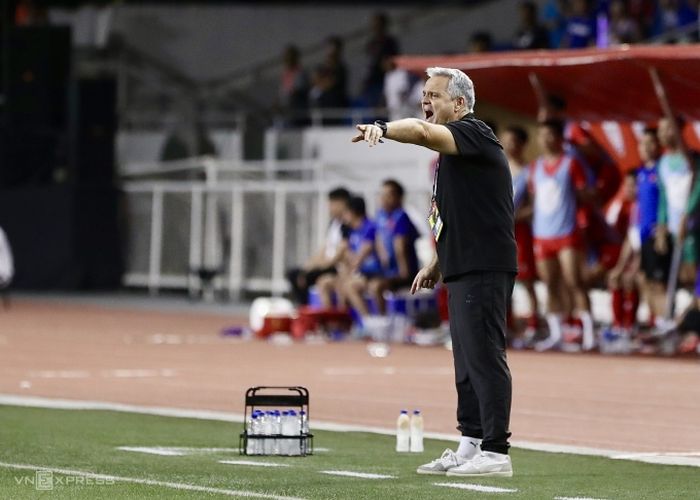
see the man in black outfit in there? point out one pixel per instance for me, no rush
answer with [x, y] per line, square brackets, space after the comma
[471, 218]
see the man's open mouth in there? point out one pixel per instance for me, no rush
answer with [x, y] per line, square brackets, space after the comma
[428, 114]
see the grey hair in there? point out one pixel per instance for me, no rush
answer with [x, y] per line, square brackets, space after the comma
[460, 85]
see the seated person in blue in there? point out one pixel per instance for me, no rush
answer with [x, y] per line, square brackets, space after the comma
[396, 244]
[359, 262]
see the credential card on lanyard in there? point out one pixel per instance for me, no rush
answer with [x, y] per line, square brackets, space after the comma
[435, 222]
[434, 219]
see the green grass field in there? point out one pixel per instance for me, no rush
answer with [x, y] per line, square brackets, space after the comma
[87, 441]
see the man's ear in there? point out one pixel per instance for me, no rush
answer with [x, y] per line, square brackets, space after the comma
[460, 103]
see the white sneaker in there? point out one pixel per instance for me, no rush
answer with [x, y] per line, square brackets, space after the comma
[588, 340]
[547, 344]
[664, 326]
[447, 461]
[486, 464]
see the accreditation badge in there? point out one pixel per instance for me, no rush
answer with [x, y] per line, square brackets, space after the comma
[435, 222]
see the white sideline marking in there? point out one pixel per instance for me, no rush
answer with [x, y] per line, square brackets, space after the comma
[658, 370]
[577, 498]
[153, 450]
[68, 404]
[658, 454]
[691, 458]
[149, 482]
[116, 373]
[254, 464]
[178, 339]
[175, 450]
[73, 404]
[363, 475]
[159, 338]
[188, 450]
[476, 487]
[137, 373]
[565, 448]
[347, 371]
[60, 374]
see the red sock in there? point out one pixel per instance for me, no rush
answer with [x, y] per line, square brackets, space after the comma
[532, 321]
[618, 307]
[630, 305]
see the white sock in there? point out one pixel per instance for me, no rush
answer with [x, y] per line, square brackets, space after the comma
[554, 324]
[467, 445]
[588, 334]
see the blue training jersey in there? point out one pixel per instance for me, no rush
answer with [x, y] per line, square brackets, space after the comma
[389, 226]
[357, 238]
[647, 200]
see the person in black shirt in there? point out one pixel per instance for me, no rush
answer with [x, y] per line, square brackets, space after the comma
[335, 64]
[471, 218]
[380, 45]
[530, 34]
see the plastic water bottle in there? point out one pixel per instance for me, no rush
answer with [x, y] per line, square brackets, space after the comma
[254, 444]
[250, 424]
[260, 448]
[267, 418]
[403, 432]
[285, 429]
[303, 423]
[294, 445]
[276, 430]
[417, 432]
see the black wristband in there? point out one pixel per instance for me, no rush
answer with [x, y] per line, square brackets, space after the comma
[382, 125]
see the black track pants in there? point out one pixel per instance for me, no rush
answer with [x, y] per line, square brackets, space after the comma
[478, 303]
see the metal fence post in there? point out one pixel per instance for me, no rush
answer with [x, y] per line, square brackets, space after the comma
[195, 260]
[156, 241]
[235, 265]
[278, 242]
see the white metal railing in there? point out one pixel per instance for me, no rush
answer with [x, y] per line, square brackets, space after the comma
[224, 208]
[205, 237]
[208, 197]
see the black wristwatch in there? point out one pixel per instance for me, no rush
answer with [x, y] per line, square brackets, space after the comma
[382, 125]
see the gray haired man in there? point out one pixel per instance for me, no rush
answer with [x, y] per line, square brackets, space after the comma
[471, 218]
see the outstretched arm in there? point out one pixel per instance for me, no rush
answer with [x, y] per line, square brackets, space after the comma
[410, 131]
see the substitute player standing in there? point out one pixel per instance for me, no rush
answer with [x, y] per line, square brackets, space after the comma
[471, 219]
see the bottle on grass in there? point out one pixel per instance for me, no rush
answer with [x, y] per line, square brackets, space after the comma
[403, 432]
[416, 432]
